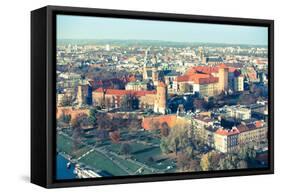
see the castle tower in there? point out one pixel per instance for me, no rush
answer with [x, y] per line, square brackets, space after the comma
[84, 95]
[161, 98]
[80, 95]
[223, 77]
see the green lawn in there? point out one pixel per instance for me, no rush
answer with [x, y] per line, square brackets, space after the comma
[65, 144]
[99, 161]
[140, 152]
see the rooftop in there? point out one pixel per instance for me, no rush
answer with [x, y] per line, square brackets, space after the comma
[226, 132]
[124, 92]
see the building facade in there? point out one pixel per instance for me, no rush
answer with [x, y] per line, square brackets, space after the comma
[226, 140]
[147, 99]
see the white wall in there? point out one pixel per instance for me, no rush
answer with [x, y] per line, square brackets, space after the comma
[15, 97]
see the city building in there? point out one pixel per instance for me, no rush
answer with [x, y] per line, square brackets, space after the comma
[235, 80]
[226, 140]
[255, 132]
[203, 127]
[238, 112]
[147, 99]
[136, 86]
[209, 80]
[170, 77]
[212, 60]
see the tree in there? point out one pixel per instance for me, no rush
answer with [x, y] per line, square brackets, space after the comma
[79, 121]
[76, 124]
[66, 100]
[177, 140]
[194, 165]
[247, 152]
[189, 151]
[205, 163]
[114, 136]
[182, 162]
[210, 104]
[134, 122]
[103, 122]
[227, 162]
[92, 117]
[209, 161]
[129, 102]
[65, 118]
[242, 164]
[164, 129]
[125, 149]
[164, 146]
[198, 104]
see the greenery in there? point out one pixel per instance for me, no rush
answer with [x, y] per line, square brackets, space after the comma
[177, 140]
[92, 117]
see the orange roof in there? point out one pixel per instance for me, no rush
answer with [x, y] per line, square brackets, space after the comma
[259, 124]
[222, 65]
[198, 78]
[182, 78]
[227, 132]
[204, 79]
[208, 69]
[162, 84]
[203, 69]
[125, 92]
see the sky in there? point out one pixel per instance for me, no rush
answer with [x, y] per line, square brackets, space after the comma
[85, 27]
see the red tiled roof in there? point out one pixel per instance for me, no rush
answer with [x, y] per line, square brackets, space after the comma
[227, 132]
[203, 69]
[242, 128]
[259, 124]
[162, 84]
[208, 69]
[252, 126]
[198, 78]
[125, 92]
[222, 65]
[182, 78]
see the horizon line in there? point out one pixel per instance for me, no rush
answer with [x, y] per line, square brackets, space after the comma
[183, 42]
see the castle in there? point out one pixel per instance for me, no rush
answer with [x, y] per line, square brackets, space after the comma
[154, 99]
[209, 80]
[147, 99]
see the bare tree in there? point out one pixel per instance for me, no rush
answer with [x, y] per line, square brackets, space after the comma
[114, 136]
[165, 130]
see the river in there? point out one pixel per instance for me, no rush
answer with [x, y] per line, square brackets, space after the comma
[62, 171]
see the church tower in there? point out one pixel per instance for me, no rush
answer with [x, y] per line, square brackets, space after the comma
[144, 71]
[155, 76]
[161, 98]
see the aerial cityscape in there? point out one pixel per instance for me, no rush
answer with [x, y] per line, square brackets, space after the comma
[138, 97]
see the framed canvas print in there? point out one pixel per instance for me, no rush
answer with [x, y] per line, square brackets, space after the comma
[125, 96]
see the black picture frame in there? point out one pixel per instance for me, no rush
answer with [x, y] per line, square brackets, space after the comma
[43, 100]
